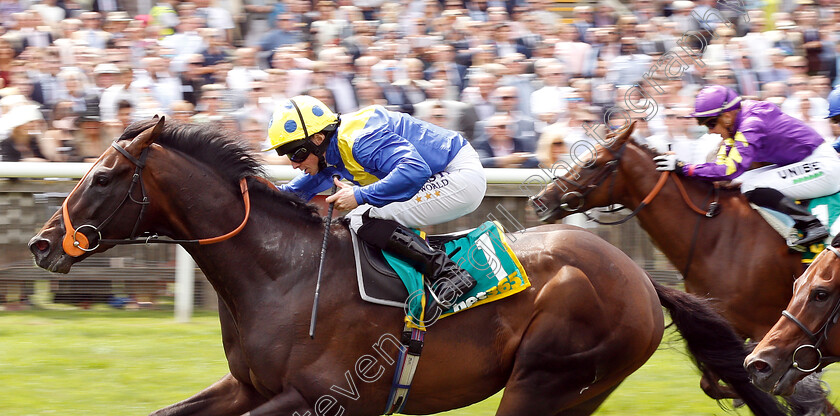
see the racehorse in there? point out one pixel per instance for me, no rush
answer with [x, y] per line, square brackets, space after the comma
[803, 340]
[590, 319]
[725, 250]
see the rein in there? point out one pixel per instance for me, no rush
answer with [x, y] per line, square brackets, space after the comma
[819, 337]
[76, 243]
[713, 210]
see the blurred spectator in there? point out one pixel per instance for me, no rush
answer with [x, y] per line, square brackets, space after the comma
[77, 90]
[216, 17]
[549, 102]
[164, 16]
[479, 94]
[284, 33]
[778, 71]
[7, 55]
[552, 148]
[109, 81]
[163, 87]
[573, 53]
[23, 126]
[244, 72]
[680, 138]
[260, 17]
[45, 86]
[502, 149]
[457, 116]
[185, 42]
[183, 111]
[92, 34]
[257, 105]
[339, 79]
[443, 66]
[211, 105]
[254, 132]
[192, 78]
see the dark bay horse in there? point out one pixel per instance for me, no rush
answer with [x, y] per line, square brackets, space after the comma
[805, 339]
[730, 255]
[590, 319]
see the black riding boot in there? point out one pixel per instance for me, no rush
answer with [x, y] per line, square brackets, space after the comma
[447, 280]
[808, 224]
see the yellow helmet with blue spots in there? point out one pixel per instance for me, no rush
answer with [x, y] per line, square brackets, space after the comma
[295, 120]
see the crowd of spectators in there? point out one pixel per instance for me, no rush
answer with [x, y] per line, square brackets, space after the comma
[516, 78]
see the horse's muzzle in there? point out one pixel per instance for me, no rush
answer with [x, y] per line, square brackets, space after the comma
[47, 257]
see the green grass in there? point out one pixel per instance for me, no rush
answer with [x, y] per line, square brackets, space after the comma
[106, 362]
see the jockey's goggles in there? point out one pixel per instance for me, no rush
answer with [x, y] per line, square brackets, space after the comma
[709, 122]
[298, 155]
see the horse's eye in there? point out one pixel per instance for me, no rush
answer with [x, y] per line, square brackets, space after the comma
[101, 180]
[821, 295]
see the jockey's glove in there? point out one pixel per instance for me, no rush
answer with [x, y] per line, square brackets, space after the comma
[668, 162]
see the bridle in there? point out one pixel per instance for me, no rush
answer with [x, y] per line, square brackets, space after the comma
[818, 337]
[76, 243]
[608, 170]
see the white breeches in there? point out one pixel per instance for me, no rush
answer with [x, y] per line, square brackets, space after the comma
[812, 177]
[451, 194]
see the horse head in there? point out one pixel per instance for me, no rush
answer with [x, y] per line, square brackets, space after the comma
[804, 339]
[106, 202]
[594, 182]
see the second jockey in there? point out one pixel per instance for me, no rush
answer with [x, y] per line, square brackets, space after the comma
[406, 173]
[802, 164]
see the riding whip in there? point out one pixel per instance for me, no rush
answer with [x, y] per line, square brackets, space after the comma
[321, 264]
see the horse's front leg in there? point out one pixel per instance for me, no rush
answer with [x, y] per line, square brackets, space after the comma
[290, 402]
[227, 396]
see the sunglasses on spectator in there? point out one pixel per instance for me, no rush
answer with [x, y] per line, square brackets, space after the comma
[299, 154]
[507, 97]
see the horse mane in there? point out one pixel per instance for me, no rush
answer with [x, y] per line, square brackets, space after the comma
[227, 154]
[652, 152]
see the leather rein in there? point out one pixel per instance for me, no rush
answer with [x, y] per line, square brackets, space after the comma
[609, 169]
[818, 337]
[76, 243]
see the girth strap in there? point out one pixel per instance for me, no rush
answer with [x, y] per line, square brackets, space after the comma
[409, 357]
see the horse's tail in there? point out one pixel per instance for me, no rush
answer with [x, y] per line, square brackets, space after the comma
[715, 346]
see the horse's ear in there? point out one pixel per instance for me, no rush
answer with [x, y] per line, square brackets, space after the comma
[148, 136]
[618, 137]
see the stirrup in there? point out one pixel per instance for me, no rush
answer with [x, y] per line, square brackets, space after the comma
[435, 300]
[806, 240]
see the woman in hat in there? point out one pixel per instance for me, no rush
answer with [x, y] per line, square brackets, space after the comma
[24, 124]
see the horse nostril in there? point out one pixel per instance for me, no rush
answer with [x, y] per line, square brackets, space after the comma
[39, 246]
[759, 366]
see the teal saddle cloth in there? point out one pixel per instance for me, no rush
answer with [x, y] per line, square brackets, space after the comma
[482, 252]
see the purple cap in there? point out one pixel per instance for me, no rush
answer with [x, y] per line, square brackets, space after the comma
[714, 100]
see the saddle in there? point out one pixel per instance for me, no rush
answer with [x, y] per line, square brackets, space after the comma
[378, 282]
[825, 208]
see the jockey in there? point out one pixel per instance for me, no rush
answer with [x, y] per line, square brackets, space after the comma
[803, 164]
[406, 172]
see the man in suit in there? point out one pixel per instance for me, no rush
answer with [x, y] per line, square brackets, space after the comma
[459, 116]
[91, 32]
[521, 126]
[502, 148]
[444, 66]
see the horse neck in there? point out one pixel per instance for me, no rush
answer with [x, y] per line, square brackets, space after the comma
[247, 264]
[681, 233]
